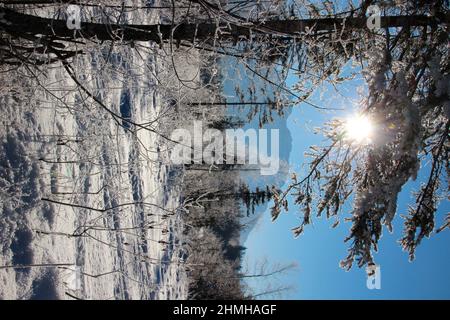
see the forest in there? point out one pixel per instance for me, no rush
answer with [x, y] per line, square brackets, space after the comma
[92, 205]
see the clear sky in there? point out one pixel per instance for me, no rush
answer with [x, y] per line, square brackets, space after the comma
[319, 250]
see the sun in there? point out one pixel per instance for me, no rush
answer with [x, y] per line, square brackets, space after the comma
[358, 128]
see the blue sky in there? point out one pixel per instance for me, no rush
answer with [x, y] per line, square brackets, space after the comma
[319, 250]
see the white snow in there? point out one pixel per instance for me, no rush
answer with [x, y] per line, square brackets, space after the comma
[96, 164]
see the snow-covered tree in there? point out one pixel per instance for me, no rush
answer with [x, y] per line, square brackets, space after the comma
[406, 69]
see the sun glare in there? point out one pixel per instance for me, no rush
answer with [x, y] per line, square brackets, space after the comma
[358, 128]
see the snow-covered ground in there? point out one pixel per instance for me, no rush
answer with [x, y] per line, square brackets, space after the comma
[59, 149]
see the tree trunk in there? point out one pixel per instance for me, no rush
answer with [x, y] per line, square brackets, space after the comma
[20, 23]
[226, 104]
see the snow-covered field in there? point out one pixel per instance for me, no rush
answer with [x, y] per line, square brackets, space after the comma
[78, 190]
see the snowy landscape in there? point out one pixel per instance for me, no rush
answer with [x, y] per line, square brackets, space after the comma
[349, 100]
[57, 150]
